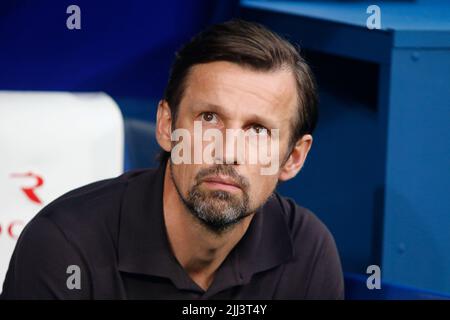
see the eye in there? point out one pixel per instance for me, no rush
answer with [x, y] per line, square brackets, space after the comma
[259, 130]
[209, 117]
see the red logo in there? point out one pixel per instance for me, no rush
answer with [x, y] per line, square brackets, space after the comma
[12, 229]
[30, 191]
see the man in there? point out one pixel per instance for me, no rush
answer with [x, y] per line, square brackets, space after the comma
[197, 229]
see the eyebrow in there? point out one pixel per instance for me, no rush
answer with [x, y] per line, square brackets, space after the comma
[255, 118]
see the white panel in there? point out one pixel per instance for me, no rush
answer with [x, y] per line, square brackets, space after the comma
[58, 140]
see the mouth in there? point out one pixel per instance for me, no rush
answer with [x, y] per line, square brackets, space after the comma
[221, 182]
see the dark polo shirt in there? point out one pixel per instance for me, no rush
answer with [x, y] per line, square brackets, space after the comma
[113, 231]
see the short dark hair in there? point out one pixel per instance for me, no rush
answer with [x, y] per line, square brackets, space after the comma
[250, 45]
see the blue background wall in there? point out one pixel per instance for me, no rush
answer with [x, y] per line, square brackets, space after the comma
[123, 48]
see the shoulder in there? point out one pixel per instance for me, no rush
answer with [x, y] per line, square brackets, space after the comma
[315, 264]
[89, 216]
[38, 266]
[303, 225]
[94, 194]
[89, 206]
[77, 228]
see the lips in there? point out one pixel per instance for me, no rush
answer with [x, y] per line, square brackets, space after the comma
[222, 180]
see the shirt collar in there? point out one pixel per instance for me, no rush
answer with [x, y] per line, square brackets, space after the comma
[143, 246]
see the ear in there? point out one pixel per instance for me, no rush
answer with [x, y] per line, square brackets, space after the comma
[296, 159]
[164, 126]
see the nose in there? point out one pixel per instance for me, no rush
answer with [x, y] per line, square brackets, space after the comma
[233, 149]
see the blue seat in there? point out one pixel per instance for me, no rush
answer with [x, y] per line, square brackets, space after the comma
[356, 289]
[141, 147]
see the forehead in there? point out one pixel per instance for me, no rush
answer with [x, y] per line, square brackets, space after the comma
[242, 91]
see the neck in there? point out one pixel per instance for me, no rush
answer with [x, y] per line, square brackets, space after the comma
[199, 250]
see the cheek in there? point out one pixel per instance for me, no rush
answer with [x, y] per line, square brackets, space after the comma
[184, 176]
[261, 187]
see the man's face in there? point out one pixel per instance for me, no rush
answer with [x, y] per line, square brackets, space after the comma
[223, 95]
